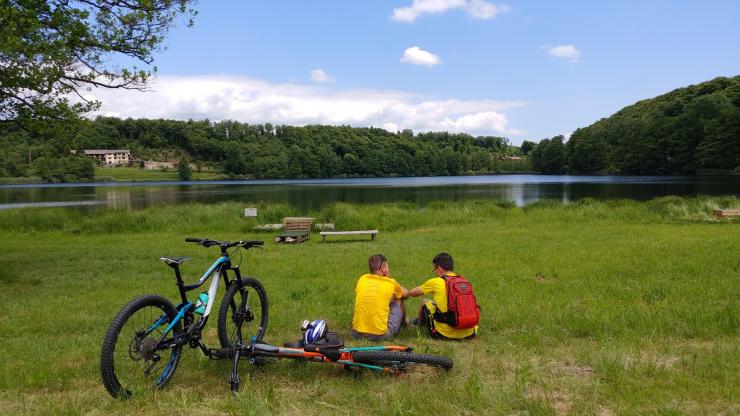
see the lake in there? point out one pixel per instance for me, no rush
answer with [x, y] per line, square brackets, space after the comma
[316, 193]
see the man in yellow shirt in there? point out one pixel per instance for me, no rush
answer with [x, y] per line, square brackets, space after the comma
[379, 310]
[437, 288]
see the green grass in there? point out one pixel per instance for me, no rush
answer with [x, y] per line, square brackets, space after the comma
[592, 308]
[136, 174]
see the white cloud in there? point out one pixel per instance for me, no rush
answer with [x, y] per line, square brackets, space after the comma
[417, 56]
[319, 75]
[221, 97]
[480, 9]
[569, 52]
[477, 9]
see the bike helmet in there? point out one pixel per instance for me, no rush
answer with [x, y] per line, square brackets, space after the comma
[314, 332]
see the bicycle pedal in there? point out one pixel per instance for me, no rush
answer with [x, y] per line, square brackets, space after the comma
[219, 354]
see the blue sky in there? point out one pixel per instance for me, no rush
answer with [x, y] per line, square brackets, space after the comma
[520, 69]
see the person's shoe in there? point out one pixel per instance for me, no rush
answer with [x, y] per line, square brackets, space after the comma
[414, 322]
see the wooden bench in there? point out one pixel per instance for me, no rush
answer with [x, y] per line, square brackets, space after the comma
[726, 213]
[295, 230]
[324, 234]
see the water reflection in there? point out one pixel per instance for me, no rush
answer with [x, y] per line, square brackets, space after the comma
[314, 194]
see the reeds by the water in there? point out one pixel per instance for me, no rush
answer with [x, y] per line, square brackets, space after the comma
[386, 217]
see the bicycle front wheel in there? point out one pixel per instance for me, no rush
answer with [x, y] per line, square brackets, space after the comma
[401, 359]
[131, 362]
[244, 313]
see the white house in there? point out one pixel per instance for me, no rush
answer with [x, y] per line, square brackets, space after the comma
[110, 157]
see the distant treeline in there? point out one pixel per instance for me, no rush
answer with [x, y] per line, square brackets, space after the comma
[267, 151]
[689, 130]
[686, 131]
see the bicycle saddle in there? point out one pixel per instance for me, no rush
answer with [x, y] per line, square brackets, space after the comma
[173, 261]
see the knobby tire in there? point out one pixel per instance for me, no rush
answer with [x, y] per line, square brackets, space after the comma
[232, 301]
[121, 341]
[390, 357]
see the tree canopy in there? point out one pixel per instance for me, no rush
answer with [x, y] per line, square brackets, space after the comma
[267, 151]
[685, 131]
[52, 50]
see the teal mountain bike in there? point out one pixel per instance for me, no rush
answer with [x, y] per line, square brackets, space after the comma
[144, 342]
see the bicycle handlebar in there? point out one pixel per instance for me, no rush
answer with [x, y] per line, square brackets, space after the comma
[207, 242]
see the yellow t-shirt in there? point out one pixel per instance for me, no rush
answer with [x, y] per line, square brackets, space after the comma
[373, 296]
[438, 289]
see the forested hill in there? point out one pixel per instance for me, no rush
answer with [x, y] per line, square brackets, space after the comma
[262, 151]
[685, 131]
[689, 130]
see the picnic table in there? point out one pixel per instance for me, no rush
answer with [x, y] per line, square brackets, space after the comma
[295, 230]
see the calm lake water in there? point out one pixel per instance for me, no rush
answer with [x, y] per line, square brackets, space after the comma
[315, 193]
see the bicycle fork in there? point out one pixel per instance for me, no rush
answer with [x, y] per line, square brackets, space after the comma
[238, 344]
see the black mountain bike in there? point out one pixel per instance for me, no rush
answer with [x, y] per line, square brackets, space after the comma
[143, 344]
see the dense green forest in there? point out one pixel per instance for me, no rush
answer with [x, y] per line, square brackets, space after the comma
[258, 151]
[689, 130]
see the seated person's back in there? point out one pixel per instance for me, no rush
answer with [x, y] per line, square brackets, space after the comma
[436, 287]
[378, 311]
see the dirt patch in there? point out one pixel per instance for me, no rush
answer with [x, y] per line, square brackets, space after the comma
[574, 369]
[664, 361]
[559, 400]
[605, 411]
[647, 359]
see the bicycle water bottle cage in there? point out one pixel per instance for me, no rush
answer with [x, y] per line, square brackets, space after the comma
[173, 261]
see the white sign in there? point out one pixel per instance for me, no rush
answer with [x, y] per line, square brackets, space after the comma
[250, 212]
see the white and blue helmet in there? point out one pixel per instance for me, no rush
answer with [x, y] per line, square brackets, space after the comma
[314, 332]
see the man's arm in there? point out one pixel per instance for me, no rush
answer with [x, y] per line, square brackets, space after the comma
[415, 292]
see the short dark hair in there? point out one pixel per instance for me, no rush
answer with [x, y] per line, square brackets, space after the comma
[444, 261]
[375, 262]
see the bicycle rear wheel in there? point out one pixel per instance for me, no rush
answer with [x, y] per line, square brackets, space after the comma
[401, 359]
[130, 364]
[248, 304]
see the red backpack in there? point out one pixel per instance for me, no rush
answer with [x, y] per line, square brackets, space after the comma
[462, 308]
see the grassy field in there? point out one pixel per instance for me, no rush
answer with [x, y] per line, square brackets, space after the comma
[136, 174]
[604, 308]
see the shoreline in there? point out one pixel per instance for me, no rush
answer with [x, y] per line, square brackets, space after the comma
[9, 182]
[413, 180]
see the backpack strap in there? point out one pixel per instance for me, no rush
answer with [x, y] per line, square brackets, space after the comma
[444, 317]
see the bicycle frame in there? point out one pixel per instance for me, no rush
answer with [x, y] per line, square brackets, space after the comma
[343, 355]
[338, 356]
[185, 308]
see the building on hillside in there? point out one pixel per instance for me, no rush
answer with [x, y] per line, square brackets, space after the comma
[152, 164]
[110, 157]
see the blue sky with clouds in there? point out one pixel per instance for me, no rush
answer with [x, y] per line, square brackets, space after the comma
[520, 69]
